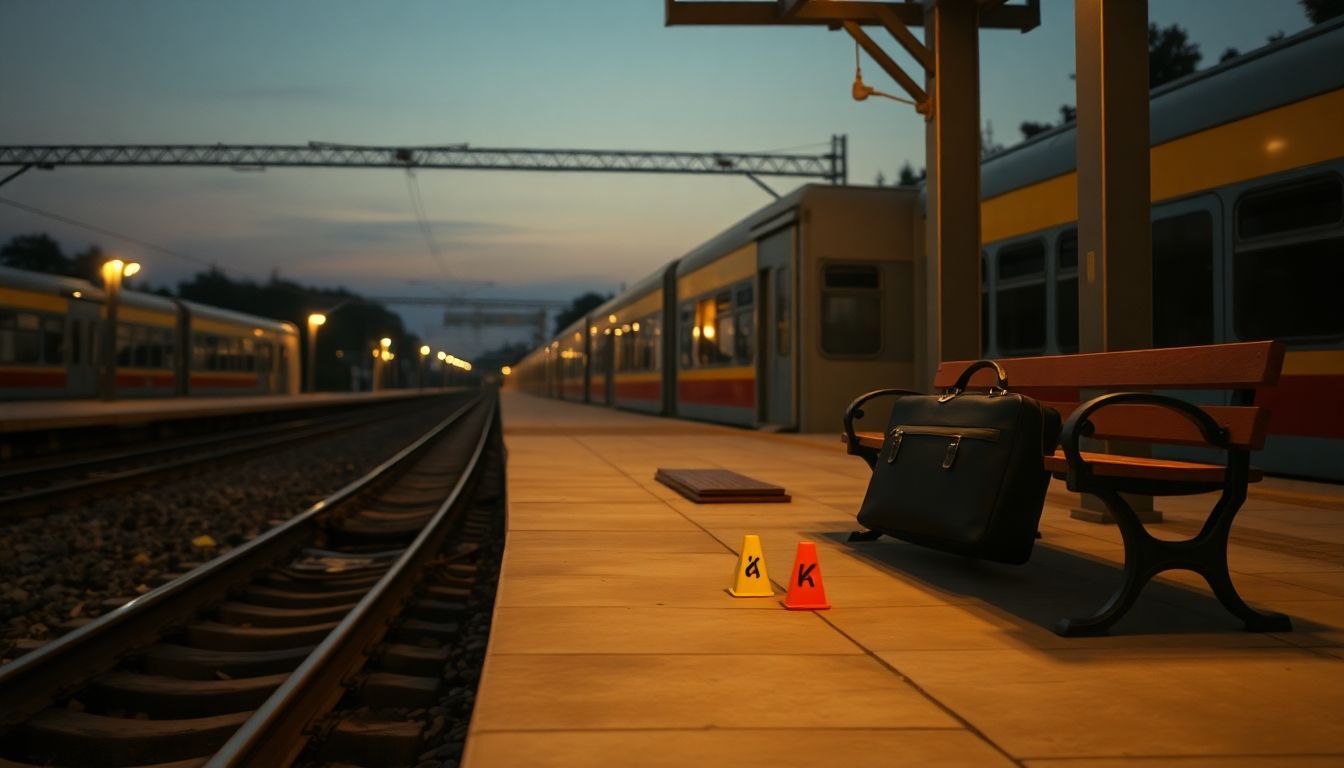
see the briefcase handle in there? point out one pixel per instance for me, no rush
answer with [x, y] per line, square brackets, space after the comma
[1000, 386]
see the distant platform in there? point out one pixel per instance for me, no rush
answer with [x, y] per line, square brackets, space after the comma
[36, 415]
[615, 642]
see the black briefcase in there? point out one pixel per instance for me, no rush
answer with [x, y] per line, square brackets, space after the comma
[963, 472]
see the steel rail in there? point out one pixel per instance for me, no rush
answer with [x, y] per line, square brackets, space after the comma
[274, 734]
[38, 679]
[12, 505]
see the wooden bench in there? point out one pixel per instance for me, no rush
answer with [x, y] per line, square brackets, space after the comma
[1138, 415]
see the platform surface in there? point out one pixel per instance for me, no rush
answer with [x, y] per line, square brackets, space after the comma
[31, 415]
[615, 643]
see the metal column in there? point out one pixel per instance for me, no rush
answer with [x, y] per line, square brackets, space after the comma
[952, 155]
[1115, 289]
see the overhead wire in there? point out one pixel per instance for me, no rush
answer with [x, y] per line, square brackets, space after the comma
[418, 206]
[111, 233]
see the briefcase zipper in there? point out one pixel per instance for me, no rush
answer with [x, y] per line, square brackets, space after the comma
[897, 434]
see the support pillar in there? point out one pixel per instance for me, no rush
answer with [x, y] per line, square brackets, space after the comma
[1115, 296]
[952, 156]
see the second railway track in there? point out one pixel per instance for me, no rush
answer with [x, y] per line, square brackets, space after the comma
[235, 662]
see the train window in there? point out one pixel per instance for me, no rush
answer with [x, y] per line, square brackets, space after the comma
[1066, 292]
[744, 297]
[1022, 260]
[140, 342]
[76, 345]
[264, 354]
[169, 349]
[709, 327]
[1289, 291]
[53, 341]
[783, 292]
[689, 332]
[984, 304]
[851, 310]
[724, 335]
[1183, 280]
[744, 325]
[1301, 205]
[20, 341]
[1020, 298]
[125, 348]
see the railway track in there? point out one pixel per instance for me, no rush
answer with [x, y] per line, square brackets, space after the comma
[33, 489]
[236, 662]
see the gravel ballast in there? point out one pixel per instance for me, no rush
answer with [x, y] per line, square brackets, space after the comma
[59, 569]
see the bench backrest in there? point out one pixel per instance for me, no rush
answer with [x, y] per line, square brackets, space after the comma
[1056, 381]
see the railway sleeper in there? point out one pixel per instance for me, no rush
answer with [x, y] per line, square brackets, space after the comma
[418, 629]
[259, 594]
[413, 659]
[319, 582]
[383, 530]
[366, 739]
[270, 616]
[393, 689]
[66, 737]
[208, 664]
[163, 697]
[436, 610]
[214, 635]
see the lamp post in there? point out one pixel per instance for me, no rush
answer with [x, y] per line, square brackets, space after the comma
[314, 321]
[113, 273]
[381, 356]
[424, 355]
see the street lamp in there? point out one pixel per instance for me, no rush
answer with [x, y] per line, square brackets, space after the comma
[314, 321]
[424, 353]
[114, 272]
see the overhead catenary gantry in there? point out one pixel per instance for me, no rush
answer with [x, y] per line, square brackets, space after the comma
[831, 166]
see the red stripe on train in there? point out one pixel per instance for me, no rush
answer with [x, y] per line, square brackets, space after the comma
[639, 390]
[738, 393]
[1299, 406]
[55, 378]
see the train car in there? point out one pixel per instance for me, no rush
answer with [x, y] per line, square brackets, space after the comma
[631, 362]
[1247, 188]
[237, 354]
[569, 361]
[51, 335]
[783, 317]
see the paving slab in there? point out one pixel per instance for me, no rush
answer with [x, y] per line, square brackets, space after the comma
[615, 642]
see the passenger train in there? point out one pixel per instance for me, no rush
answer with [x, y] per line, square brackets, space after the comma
[50, 340]
[780, 320]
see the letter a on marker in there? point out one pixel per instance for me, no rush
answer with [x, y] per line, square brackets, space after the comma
[806, 592]
[750, 579]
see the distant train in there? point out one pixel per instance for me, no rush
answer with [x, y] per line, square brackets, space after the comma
[780, 320]
[50, 340]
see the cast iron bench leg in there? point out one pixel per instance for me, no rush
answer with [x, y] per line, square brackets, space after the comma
[1145, 557]
[1142, 562]
[1212, 542]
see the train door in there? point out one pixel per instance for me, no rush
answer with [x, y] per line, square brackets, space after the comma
[609, 370]
[81, 361]
[774, 362]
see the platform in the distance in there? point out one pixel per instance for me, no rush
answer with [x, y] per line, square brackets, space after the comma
[34, 415]
[615, 643]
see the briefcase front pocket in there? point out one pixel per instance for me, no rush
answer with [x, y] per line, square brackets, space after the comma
[936, 484]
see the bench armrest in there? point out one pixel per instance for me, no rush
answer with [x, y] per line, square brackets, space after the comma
[855, 411]
[1079, 425]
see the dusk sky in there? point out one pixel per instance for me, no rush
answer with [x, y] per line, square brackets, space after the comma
[592, 74]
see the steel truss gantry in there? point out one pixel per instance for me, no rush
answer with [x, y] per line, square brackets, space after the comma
[831, 166]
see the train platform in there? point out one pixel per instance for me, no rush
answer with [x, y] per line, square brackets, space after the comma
[615, 642]
[37, 415]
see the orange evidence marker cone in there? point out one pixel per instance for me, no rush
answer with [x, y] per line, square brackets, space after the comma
[806, 592]
[751, 580]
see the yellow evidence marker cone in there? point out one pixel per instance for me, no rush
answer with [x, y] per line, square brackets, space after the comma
[751, 580]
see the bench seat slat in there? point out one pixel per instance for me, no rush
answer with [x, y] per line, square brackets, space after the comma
[1221, 366]
[1109, 465]
[1246, 425]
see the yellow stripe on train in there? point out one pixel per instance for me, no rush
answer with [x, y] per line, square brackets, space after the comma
[1291, 136]
[1320, 362]
[712, 374]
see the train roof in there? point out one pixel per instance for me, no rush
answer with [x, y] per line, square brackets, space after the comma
[1292, 69]
[61, 285]
[643, 287]
[237, 318]
[764, 220]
